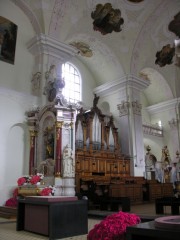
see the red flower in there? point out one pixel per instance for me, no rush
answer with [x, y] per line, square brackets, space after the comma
[21, 181]
[15, 193]
[35, 179]
[46, 192]
[113, 227]
[11, 202]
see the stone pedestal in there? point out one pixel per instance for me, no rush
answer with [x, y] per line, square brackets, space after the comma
[68, 186]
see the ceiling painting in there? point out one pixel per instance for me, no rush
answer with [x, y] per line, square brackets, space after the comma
[135, 1]
[174, 25]
[107, 19]
[165, 56]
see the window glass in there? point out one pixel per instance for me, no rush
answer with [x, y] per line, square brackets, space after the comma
[72, 89]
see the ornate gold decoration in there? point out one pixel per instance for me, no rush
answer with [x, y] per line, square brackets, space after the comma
[59, 124]
[58, 174]
[33, 133]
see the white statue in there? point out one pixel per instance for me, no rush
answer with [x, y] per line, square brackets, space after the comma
[68, 165]
[174, 174]
[159, 172]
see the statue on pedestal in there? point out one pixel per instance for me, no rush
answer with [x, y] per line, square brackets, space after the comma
[68, 165]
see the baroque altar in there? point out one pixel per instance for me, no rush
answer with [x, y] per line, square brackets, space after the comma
[52, 144]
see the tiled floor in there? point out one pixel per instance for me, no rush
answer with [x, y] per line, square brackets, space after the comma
[8, 232]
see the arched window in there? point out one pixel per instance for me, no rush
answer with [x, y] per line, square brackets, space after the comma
[72, 89]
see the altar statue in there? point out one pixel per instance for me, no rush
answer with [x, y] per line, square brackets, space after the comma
[47, 167]
[68, 165]
[174, 175]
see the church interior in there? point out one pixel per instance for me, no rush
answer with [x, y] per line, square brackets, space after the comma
[90, 103]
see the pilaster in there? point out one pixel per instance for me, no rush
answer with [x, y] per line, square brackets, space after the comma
[48, 52]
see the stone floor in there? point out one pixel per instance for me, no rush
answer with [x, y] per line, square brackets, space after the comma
[8, 227]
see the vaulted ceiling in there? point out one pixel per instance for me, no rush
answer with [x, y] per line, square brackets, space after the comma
[129, 49]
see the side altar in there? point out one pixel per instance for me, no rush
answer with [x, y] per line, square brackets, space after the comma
[52, 144]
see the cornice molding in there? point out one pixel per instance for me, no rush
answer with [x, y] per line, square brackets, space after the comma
[43, 44]
[164, 106]
[123, 82]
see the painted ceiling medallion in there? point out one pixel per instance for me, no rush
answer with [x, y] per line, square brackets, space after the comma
[165, 56]
[174, 25]
[107, 19]
[136, 1]
[84, 49]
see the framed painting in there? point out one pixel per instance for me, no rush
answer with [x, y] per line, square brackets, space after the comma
[8, 35]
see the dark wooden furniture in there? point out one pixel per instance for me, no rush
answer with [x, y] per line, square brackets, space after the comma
[159, 190]
[114, 203]
[160, 203]
[148, 231]
[54, 219]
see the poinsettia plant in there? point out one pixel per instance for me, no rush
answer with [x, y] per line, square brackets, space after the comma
[12, 202]
[48, 191]
[33, 179]
[113, 227]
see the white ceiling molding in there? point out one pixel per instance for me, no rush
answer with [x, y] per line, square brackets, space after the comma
[126, 81]
[164, 106]
[43, 44]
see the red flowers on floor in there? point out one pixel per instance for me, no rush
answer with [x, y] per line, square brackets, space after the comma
[113, 227]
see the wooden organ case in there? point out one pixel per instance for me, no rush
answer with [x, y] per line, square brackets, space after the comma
[98, 156]
[101, 169]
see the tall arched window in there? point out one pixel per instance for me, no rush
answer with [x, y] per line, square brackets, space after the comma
[72, 89]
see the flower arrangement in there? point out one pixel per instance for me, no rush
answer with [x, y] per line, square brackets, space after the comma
[113, 227]
[48, 191]
[12, 202]
[34, 179]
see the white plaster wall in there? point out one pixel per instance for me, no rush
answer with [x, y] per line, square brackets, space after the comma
[168, 140]
[19, 75]
[15, 99]
[14, 140]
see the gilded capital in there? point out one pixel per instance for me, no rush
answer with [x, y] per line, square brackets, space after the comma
[58, 174]
[33, 133]
[59, 124]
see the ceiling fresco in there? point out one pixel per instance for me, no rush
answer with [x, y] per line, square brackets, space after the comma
[107, 19]
[165, 56]
[167, 53]
[114, 37]
[174, 25]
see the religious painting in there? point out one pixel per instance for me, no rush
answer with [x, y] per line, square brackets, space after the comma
[8, 35]
[165, 56]
[49, 143]
[174, 25]
[84, 49]
[107, 19]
